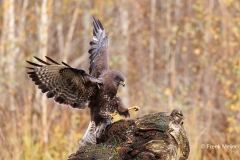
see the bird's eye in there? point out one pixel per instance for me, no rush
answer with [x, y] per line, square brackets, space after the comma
[118, 79]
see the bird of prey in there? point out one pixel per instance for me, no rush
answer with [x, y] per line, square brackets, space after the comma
[78, 89]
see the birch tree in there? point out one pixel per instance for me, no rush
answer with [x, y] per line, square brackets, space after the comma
[124, 21]
[43, 47]
[152, 40]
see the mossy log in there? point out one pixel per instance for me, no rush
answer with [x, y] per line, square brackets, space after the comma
[153, 136]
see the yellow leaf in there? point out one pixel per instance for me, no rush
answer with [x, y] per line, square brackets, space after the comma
[215, 36]
[194, 69]
[197, 51]
[231, 120]
[167, 92]
[230, 129]
[184, 48]
[232, 107]
[234, 97]
[228, 82]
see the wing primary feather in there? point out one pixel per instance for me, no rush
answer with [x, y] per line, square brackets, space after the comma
[93, 42]
[31, 72]
[34, 64]
[92, 57]
[52, 60]
[42, 61]
[37, 82]
[50, 94]
[92, 50]
[33, 76]
[100, 24]
[96, 25]
[66, 64]
[91, 65]
[59, 99]
[76, 105]
[80, 70]
[44, 90]
[35, 79]
[30, 68]
[42, 86]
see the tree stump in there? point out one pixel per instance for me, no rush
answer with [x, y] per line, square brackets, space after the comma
[153, 136]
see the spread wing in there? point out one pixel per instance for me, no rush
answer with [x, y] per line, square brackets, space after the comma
[98, 51]
[67, 85]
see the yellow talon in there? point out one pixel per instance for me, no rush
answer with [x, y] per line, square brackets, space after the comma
[112, 114]
[135, 108]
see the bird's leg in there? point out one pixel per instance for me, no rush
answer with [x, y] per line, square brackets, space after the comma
[90, 135]
[135, 108]
[102, 126]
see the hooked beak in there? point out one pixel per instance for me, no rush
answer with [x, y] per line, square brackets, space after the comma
[122, 83]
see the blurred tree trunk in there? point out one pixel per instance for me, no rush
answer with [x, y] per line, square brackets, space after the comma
[86, 26]
[10, 50]
[68, 43]
[86, 17]
[22, 23]
[11, 53]
[125, 47]
[12, 28]
[152, 40]
[170, 55]
[43, 47]
[59, 28]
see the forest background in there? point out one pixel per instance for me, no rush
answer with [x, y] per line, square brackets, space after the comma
[174, 54]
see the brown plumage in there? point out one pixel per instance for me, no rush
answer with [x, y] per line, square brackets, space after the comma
[76, 88]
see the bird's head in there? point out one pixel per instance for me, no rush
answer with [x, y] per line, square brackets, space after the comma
[119, 79]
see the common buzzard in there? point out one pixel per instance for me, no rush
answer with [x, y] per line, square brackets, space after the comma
[77, 89]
